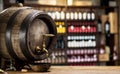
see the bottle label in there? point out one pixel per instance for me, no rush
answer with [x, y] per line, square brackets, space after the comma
[92, 16]
[88, 16]
[99, 27]
[80, 15]
[75, 14]
[84, 16]
[53, 15]
[62, 15]
[72, 16]
[67, 16]
[107, 27]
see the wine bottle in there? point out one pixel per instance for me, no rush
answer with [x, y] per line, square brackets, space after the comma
[80, 15]
[57, 15]
[92, 15]
[71, 16]
[107, 32]
[53, 15]
[67, 15]
[107, 38]
[107, 26]
[99, 25]
[102, 47]
[84, 15]
[75, 15]
[88, 16]
[62, 14]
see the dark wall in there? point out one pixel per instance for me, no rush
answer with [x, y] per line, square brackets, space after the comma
[118, 3]
[6, 3]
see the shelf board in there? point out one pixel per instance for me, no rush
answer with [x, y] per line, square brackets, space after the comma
[81, 54]
[62, 6]
[82, 62]
[96, 7]
[80, 34]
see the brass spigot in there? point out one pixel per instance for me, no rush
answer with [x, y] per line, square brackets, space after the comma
[43, 49]
[44, 45]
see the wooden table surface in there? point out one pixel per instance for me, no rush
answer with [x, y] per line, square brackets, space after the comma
[76, 70]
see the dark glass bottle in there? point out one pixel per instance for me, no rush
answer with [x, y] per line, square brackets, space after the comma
[19, 1]
[107, 32]
[99, 25]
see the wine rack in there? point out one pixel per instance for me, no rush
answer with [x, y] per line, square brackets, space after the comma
[57, 57]
[81, 37]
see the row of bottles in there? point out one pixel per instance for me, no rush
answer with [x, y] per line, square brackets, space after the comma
[80, 15]
[57, 15]
[60, 26]
[55, 60]
[75, 56]
[84, 64]
[92, 37]
[83, 43]
[58, 53]
[60, 23]
[81, 29]
[82, 51]
[83, 58]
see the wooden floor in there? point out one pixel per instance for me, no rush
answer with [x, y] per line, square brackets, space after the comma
[76, 70]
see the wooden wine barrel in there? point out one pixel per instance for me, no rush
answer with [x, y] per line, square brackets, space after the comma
[21, 30]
